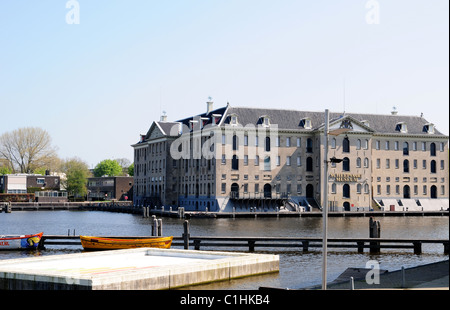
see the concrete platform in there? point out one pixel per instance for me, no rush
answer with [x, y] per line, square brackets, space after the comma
[135, 269]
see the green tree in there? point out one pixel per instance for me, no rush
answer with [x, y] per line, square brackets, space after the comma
[131, 170]
[108, 167]
[77, 172]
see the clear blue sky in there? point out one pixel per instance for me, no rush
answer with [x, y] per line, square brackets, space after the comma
[95, 86]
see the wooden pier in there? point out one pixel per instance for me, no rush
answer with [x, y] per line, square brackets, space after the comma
[251, 243]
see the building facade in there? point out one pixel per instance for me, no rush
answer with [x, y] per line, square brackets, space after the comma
[241, 159]
[107, 188]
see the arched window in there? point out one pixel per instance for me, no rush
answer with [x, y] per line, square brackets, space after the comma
[235, 163]
[358, 162]
[309, 145]
[267, 163]
[235, 142]
[346, 164]
[406, 166]
[309, 164]
[433, 192]
[267, 145]
[433, 166]
[346, 145]
[433, 149]
[358, 144]
[405, 148]
[333, 143]
[333, 188]
[406, 192]
[346, 191]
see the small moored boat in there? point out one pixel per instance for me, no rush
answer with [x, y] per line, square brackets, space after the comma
[20, 242]
[116, 243]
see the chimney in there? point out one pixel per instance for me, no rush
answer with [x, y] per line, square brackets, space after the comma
[209, 105]
[164, 117]
[394, 111]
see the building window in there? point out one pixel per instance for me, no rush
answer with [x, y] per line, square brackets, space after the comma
[224, 161]
[358, 188]
[267, 146]
[333, 143]
[424, 164]
[299, 161]
[288, 160]
[386, 145]
[278, 160]
[288, 142]
[377, 144]
[257, 160]
[346, 164]
[223, 188]
[388, 189]
[388, 163]
[405, 148]
[366, 162]
[414, 146]
[442, 164]
[378, 163]
[396, 145]
[309, 164]
[245, 140]
[299, 142]
[346, 191]
[235, 163]
[267, 163]
[397, 164]
[433, 166]
[432, 149]
[415, 164]
[366, 144]
[299, 188]
[309, 145]
[406, 166]
[358, 144]
[333, 188]
[245, 160]
[235, 143]
[346, 145]
[424, 146]
[256, 188]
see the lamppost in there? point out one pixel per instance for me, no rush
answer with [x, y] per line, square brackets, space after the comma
[325, 198]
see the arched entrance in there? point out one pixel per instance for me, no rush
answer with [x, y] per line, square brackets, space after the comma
[433, 191]
[346, 206]
[267, 190]
[406, 192]
[309, 191]
[235, 190]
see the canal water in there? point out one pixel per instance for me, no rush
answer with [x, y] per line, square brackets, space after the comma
[297, 269]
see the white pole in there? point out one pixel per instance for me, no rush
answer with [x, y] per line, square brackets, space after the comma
[325, 204]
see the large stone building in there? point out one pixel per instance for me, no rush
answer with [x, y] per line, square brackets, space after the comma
[236, 158]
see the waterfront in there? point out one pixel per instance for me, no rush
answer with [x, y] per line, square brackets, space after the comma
[297, 269]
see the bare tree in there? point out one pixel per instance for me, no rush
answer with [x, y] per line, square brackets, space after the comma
[27, 149]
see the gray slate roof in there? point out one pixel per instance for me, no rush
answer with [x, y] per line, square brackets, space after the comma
[290, 119]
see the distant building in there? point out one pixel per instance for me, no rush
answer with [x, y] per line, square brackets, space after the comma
[28, 183]
[107, 188]
[236, 158]
[45, 187]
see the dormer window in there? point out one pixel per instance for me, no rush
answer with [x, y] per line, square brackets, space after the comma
[264, 120]
[192, 124]
[428, 128]
[306, 123]
[366, 123]
[401, 127]
[233, 119]
[216, 118]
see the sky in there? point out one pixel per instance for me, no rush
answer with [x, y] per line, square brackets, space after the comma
[95, 74]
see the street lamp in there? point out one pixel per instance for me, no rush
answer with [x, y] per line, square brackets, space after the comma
[335, 132]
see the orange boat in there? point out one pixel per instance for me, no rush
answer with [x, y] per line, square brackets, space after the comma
[116, 243]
